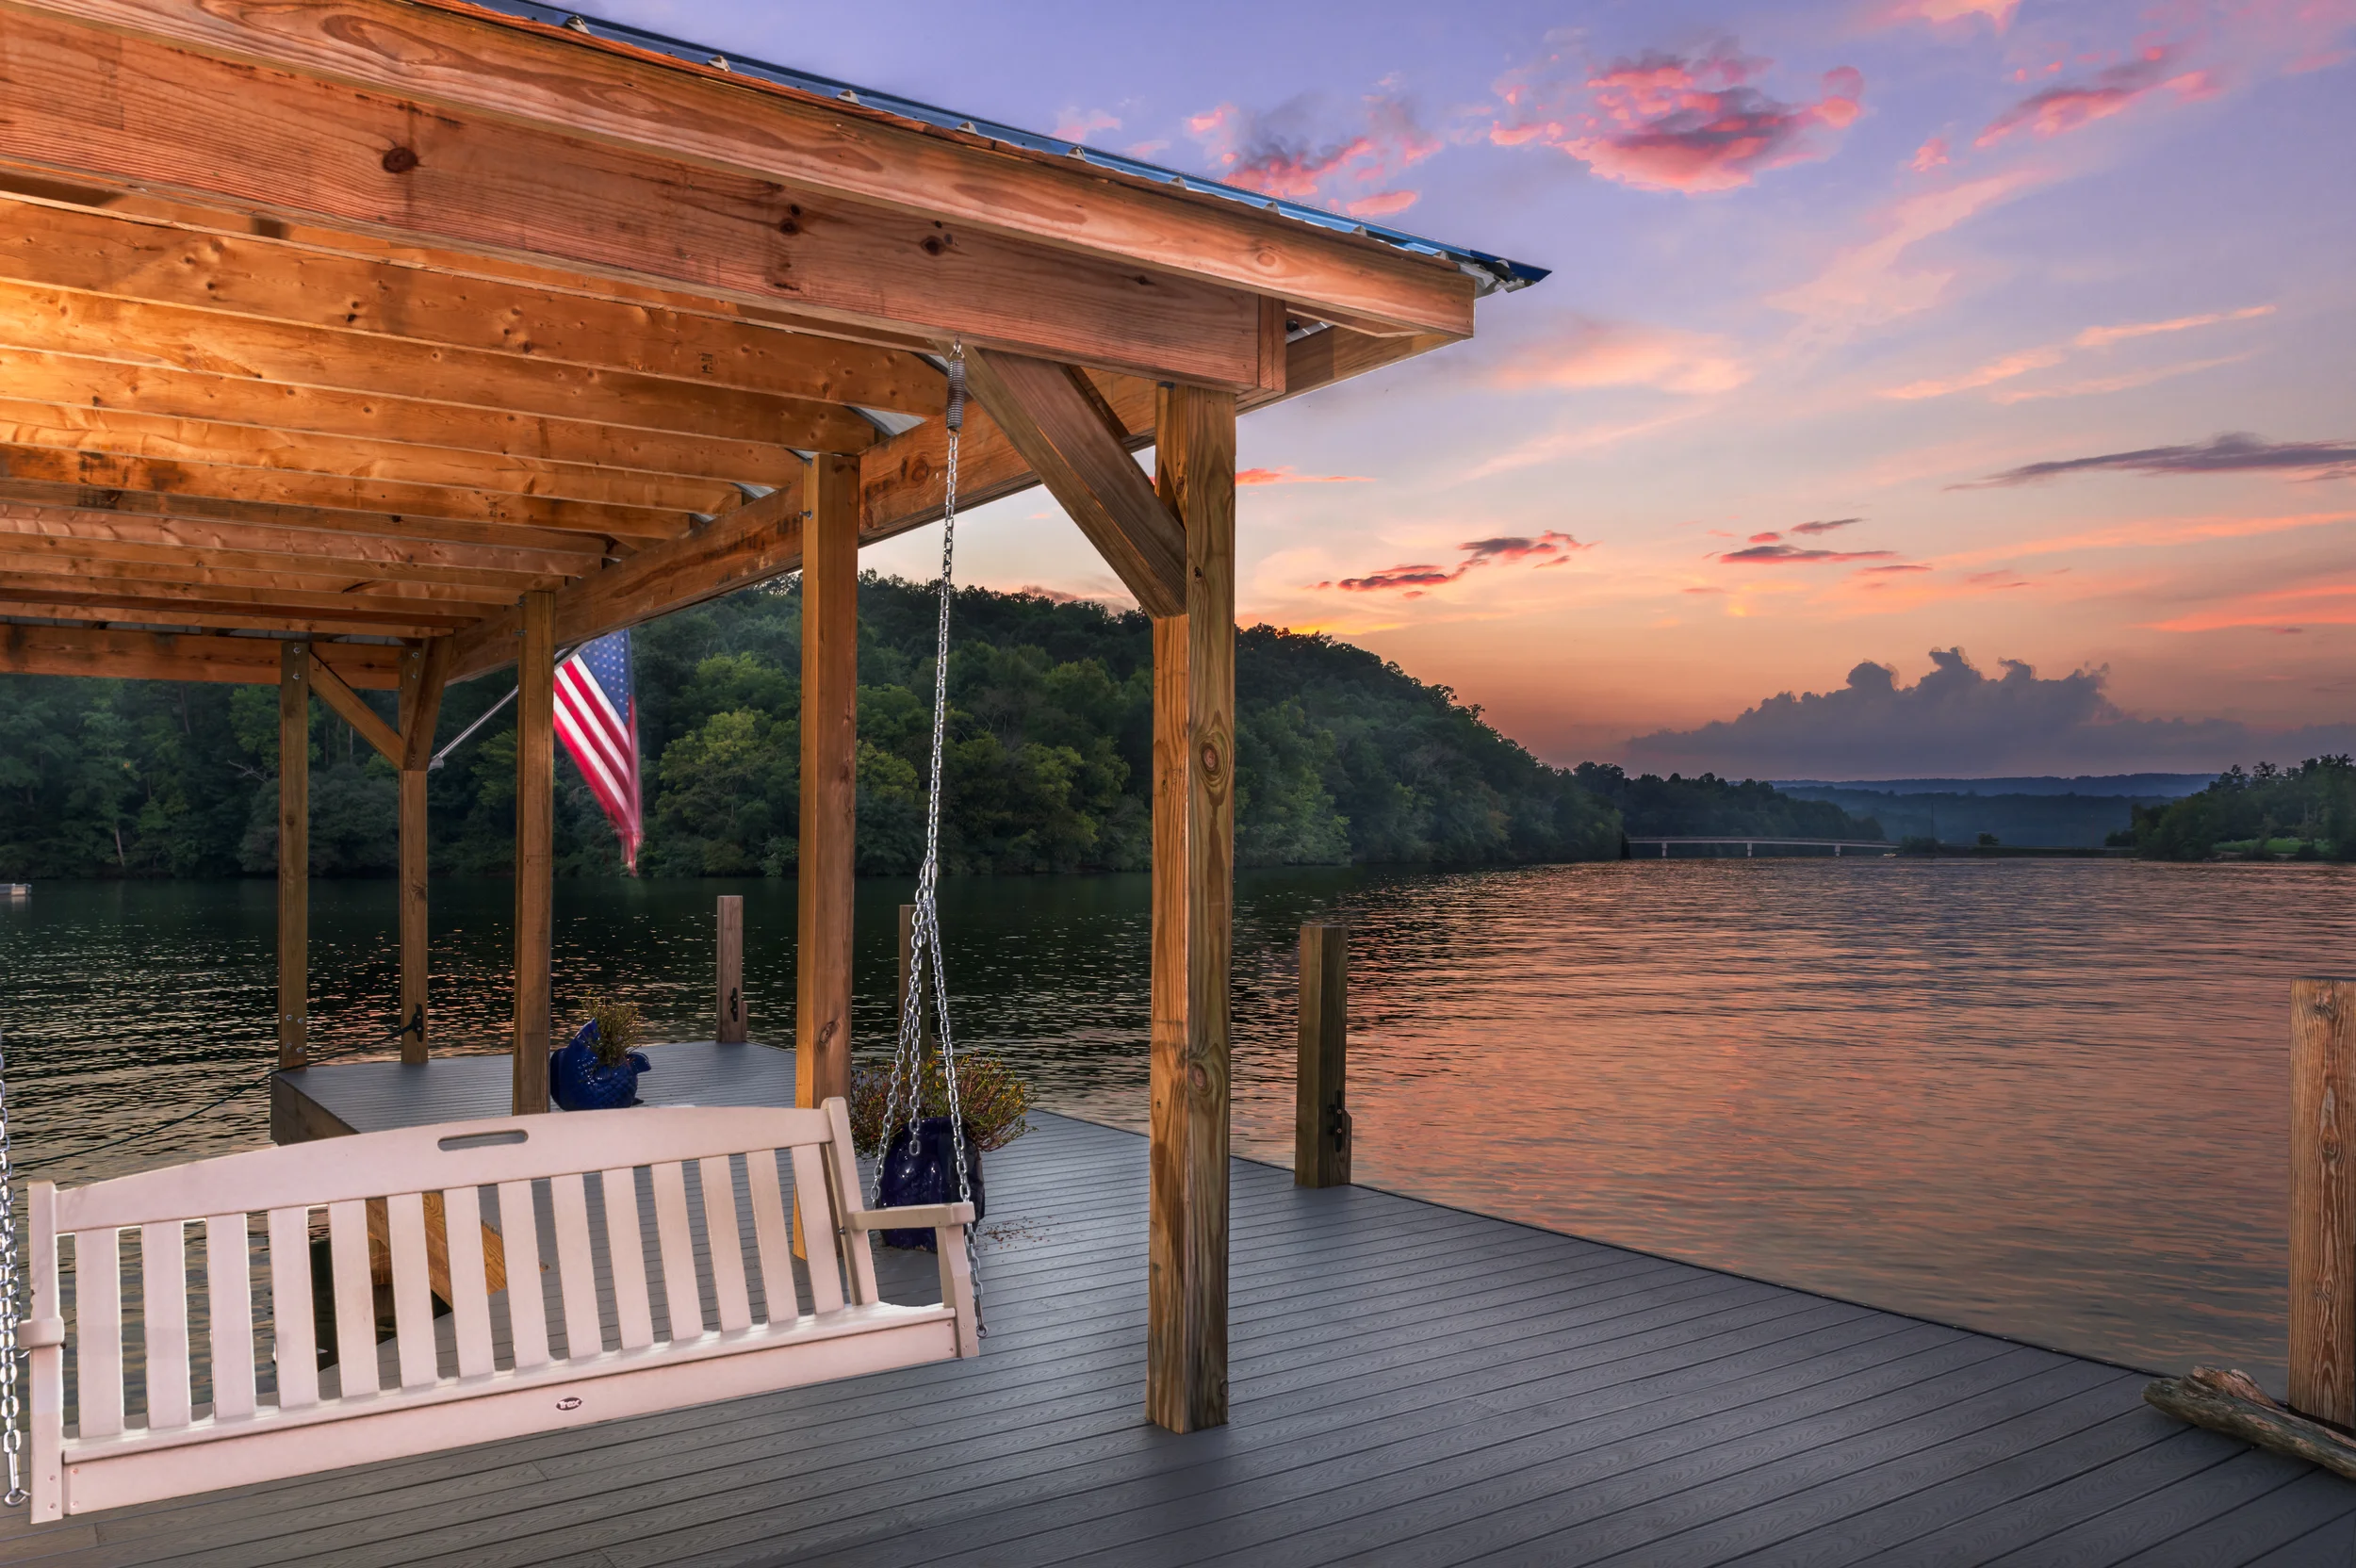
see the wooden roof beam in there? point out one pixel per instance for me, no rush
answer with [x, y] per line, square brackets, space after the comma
[125, 200]
[168, 656]
[759, 541]
[226, 482]
[384, 161]
[121, 433]
[117, 560]
[111, 502]
[39, 376]
[153, 604]
[1064, 430]
[541, 76]
[900, 477]
[101, 327]
[130, 258]
[265, 546]
[114, 581]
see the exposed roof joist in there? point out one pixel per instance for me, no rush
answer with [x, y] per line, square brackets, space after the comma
[361, 317]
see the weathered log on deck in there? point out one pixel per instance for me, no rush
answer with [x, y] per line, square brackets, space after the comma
[2228, 1402]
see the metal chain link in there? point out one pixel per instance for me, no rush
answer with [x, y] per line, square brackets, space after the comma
[927, 967]
[11, 1307]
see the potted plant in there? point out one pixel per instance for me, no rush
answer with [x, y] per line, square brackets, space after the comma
[597, 1068]
[919, 1163]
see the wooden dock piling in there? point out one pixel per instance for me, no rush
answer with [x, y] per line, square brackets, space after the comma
[1321, 1112]
[730, 977]
[2323, 1199]
[294, 853]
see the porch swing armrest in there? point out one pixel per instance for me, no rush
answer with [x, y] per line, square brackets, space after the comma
[910, 1216]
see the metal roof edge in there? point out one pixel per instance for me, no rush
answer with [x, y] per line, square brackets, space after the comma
[1494, 273]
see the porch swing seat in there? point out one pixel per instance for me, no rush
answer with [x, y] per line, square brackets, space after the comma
[471, 1386]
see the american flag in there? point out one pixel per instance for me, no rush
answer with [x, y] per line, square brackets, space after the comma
[597, 715]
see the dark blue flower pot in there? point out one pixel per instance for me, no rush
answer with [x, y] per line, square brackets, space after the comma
[577, 1083]
[920, 1166]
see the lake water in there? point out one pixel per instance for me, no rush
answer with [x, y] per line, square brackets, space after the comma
[2044, 1099]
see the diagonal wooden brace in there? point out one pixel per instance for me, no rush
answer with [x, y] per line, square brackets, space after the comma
[1055, 419]
[354, 709]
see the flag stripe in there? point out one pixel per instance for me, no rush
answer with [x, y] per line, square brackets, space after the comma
[597, 718]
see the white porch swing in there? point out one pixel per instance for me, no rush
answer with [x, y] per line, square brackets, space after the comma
[731, 1325]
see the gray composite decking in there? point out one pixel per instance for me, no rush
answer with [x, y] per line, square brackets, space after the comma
[1411, 1384]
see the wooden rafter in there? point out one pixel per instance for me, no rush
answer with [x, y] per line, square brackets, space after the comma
[169, 603]
[121, 562]
[543, 75]
[102, 327]
[57, 246]
[97, 470]
[275, 142]
[263, 546]
[48, 650]
[759, 541]
[133, 433]
[109, 501]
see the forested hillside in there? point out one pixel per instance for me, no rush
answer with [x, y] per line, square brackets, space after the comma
[1340, 756]
[1707, 806]
[2308, 811]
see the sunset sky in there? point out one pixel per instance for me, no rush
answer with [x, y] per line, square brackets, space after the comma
[1876, 327]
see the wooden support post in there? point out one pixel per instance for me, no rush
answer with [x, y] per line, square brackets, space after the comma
[1194, 824]
[422, 671]
[729, 976]
[2323, 1199]
[1321, 1109]
[294, 853]
[535, 887]
[821, 1011]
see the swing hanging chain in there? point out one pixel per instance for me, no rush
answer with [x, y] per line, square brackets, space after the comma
[11, 1309]
[926, 968]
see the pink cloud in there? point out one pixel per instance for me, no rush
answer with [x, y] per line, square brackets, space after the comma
[1416, 578]
[1356, 172]
[1865, 285]
[1931, 154]
[1589, 352]
[1550, 549]
[1794, 555]
[2057, 110]
[1939, 13]
[1664, 122]
[2102, 338]
[1286, 476]
[1077, 125]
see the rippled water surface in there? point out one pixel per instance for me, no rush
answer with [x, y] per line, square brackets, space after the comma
[2046, 1098]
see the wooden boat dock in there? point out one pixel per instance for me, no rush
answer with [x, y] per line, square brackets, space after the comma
[1410, 1384]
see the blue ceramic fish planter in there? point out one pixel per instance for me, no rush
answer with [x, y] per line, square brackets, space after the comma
[578, 1082]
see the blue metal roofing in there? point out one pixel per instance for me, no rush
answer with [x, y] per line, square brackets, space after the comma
[1494, 272]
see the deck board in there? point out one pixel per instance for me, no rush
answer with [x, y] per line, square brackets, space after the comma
[1412, 1384]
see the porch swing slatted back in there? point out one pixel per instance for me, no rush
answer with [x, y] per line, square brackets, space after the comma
[545, 1173]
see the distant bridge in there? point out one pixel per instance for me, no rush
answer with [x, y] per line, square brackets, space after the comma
[1750, 845]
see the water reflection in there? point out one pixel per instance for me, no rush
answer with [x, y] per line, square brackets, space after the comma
[2042, 1098]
